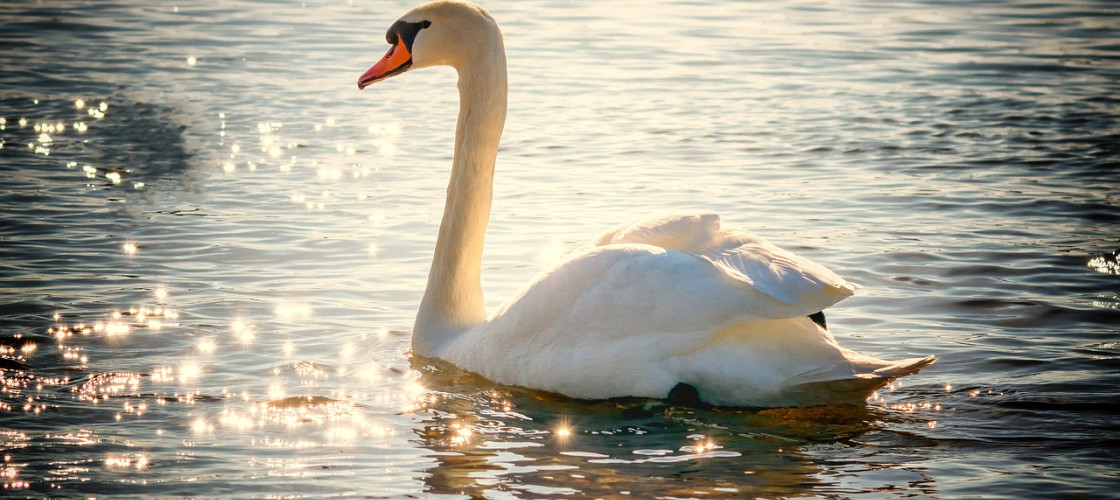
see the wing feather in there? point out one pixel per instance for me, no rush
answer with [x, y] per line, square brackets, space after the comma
[740, 254]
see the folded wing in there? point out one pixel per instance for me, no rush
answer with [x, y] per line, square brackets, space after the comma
[743, 256]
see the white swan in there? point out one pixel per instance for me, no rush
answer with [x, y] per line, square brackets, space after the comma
[673, 304]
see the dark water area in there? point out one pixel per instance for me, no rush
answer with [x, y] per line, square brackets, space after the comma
[212, 246]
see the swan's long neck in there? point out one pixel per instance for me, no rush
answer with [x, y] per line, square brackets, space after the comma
[452, 301]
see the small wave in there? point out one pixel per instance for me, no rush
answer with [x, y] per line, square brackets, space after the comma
[304, 369]
[1016, 68]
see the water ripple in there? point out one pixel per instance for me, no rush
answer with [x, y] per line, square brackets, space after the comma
[213, 246]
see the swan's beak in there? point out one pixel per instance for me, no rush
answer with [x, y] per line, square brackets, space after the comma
[395, 62]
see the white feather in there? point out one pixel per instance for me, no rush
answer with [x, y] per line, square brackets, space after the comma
[651, 304]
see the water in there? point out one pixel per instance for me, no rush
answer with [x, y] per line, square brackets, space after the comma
[208, 283]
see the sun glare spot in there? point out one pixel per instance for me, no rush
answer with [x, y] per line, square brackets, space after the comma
[276, 391]
[289, 311]
[347, 351]
[368, 373]
[341, 435]
[563, 430]
[162, 375]
[201, 426]
[116, 328]
[328, 173]
[244, 332]
[236, 420]
[460, 434]
[387, 149]
[129, 248]
[206, 346]
[414, 390]
[189, 372]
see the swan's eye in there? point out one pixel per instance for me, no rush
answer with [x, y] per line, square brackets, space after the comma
[405, 32]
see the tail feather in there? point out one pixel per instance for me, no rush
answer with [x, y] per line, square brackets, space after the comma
[834, 385]
[788, 362]
[904, 367]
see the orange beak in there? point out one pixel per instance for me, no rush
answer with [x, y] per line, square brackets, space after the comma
[395, 62]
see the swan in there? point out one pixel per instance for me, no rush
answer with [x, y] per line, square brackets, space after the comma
[669, 306]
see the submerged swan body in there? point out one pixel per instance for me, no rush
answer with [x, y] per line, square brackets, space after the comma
[655, 303]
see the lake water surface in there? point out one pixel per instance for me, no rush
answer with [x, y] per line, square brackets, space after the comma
[212, 245]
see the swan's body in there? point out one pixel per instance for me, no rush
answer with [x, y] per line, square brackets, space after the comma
[668, 300]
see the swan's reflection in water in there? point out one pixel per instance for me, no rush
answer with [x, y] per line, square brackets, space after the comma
[490, 440]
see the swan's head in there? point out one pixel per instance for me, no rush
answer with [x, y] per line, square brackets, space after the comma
[442, 33]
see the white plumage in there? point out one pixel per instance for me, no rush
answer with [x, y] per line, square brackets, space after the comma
[669, 300]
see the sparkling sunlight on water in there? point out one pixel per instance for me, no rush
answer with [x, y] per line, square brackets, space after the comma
[213, 246]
